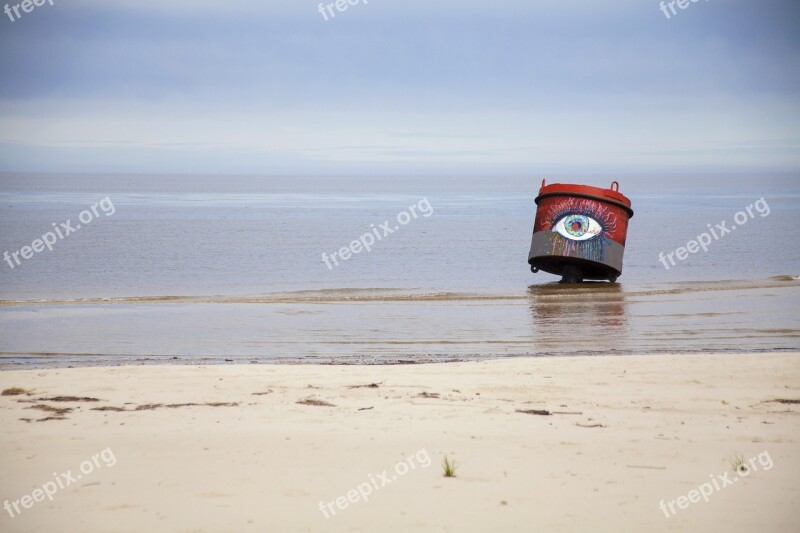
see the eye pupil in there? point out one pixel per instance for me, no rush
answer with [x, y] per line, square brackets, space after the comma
[576, 225]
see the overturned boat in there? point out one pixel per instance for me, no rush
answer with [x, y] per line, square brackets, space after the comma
[580, 231]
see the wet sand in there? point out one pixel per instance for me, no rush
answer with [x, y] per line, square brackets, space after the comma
[541, 444]
[347, 326]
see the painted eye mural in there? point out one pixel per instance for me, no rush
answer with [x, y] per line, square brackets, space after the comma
[579, 219]
[577, 227]
[581, 230]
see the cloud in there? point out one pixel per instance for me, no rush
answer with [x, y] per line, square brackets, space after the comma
[463, 82]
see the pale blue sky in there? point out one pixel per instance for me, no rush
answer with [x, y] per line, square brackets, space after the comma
[401, 86]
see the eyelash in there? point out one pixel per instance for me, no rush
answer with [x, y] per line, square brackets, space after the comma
[601, 214]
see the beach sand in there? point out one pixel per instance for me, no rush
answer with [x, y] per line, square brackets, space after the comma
[623, 434]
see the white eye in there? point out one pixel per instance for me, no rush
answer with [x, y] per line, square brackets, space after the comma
[577, 227]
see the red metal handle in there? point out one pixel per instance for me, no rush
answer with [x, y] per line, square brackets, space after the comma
[615, 186]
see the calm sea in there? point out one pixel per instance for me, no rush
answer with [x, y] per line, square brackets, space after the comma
[211, 268]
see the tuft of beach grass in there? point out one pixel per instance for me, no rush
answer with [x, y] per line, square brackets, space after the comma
[738, 464]
[449, 467]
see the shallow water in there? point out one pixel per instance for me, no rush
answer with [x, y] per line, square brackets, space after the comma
[208, 270]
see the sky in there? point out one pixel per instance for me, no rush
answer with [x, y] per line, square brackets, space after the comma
[400, 87]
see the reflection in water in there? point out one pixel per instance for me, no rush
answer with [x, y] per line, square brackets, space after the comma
[394, 325]
[588, 316]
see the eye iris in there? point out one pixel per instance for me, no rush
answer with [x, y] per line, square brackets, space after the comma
[576, 225]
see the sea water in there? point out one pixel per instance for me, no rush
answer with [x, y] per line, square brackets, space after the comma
[208, 268]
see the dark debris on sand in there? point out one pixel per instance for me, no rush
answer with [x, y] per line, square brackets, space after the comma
[13, 391]
[369, 386]
[69, 399]
[315, 402]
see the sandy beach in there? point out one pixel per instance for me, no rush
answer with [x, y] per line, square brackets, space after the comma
[370, 266]
[540, 444]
